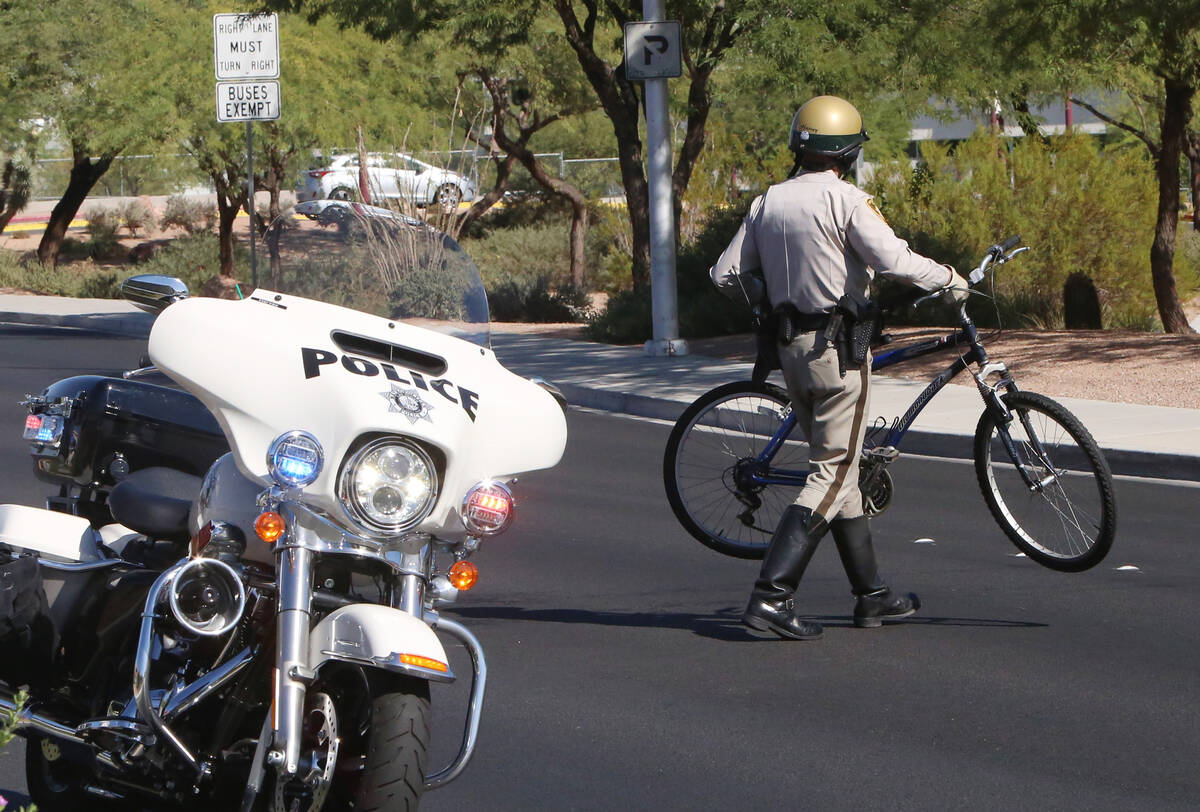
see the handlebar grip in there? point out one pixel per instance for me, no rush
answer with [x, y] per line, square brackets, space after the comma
[1010, 243]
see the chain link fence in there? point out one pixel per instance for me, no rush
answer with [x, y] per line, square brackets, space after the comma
[140, 175]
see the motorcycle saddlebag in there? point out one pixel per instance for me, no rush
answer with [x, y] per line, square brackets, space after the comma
[115, 426]
[22, 599]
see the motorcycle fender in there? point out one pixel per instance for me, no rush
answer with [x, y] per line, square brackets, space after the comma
[379, 637]
[54, 535]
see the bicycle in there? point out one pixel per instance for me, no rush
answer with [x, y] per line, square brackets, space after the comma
[731, 465]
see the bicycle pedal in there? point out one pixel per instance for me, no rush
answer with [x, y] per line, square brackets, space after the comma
[885, 454]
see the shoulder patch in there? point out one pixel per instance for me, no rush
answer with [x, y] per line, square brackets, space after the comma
[871, 205]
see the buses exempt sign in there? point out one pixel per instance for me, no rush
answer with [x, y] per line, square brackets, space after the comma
[247, 101]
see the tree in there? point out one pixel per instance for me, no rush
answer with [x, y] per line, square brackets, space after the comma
[709, 28]
[529, 121]
[91, 68]
[1115, 45]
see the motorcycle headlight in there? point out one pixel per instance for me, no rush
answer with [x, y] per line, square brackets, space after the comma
[294, 459]
[389, 485]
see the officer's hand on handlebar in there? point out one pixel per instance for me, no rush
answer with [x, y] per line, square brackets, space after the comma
[957, 291]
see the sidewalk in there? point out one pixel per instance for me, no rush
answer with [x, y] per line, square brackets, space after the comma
[1148, 441]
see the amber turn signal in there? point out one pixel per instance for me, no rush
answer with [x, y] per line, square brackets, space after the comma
[464, 575]
[424, 662]
[269, 527]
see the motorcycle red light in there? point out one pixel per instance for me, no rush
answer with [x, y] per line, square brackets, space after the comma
[488, 508]
[33, 422]
[201, 539]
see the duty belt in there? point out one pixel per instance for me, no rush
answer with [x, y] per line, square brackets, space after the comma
[806, 322]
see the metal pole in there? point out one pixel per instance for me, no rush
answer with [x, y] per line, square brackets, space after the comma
[250, 203]
[664, 303]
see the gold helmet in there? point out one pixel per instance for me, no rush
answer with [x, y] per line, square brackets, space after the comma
[827, 127]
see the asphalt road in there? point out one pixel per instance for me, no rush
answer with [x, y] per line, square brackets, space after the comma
[620, 677]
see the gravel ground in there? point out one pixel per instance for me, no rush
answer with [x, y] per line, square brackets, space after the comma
[1122, 367]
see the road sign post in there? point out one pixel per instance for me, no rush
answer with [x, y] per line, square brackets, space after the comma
[245, 53]
[653, 54]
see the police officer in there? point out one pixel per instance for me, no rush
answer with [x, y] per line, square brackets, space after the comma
[814, 238]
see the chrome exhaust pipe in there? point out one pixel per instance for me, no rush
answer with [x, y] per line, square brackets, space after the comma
[26, 719]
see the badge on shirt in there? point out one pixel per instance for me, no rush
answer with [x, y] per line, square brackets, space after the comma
[871, 205]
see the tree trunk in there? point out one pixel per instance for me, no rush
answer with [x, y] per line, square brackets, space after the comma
[84, 174]
[699, 104]
[619, 99]
[1193, 154]
[559, 187]
[1177, 113]
[227, 209]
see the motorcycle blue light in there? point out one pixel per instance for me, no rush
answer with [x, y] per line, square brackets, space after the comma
[295, 459]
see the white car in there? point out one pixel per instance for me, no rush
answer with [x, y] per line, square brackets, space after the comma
[390, 175]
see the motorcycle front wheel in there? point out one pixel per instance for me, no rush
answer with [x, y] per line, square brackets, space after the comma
[366, 752]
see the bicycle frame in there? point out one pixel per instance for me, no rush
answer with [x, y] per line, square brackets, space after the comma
[967, 334]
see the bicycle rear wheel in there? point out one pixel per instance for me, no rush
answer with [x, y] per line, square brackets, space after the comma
[712, 449]
[1068, 518]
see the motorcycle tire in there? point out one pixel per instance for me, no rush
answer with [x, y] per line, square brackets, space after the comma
[382, 726]
[397, 747]
[53, 781]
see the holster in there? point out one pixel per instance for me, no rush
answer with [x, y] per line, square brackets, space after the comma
[863, 325]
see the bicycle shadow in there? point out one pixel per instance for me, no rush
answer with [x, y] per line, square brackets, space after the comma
[721, 624]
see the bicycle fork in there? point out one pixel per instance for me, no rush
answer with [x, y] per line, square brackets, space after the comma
[1003, 416]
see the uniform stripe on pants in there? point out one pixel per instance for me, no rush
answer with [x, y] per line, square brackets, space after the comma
[831, 411]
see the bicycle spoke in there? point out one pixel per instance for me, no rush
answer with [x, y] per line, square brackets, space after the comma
[1048, 488]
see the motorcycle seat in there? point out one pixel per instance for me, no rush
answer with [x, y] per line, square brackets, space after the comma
[156, 502]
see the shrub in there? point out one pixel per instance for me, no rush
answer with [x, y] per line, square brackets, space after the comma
[194, 260]
[534, 301]
[135, 215]
[1079, 206]
[522, 254]
[190, 214]
[703, 312]
[103, 225]
[65, 279]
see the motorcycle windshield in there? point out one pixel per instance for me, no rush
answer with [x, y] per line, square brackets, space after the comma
[376, 261]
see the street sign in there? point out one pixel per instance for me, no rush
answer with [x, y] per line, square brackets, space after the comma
[652, 50]
[246, 46]
[248, 101]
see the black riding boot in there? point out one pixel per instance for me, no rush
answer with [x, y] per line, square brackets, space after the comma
[771, 607]
[876, 602]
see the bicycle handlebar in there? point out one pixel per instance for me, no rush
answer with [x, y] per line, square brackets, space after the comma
[1009, 244]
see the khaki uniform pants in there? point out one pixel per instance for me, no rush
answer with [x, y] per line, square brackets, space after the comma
[832, 412]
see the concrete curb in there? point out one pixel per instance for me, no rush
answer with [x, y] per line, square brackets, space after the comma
[1127, 462]
[1122, 462]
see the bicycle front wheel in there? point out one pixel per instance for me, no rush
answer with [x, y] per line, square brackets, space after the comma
[1053, 494]
[711, 462]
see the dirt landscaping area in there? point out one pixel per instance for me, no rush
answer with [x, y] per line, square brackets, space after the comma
[1122, 367]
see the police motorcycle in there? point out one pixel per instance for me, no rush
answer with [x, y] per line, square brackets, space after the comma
[232, 600]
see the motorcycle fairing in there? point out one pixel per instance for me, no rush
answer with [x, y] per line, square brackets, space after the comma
[377, 636]
[269, 364]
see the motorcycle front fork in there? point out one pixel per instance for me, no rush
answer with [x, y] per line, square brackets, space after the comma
[293, 674]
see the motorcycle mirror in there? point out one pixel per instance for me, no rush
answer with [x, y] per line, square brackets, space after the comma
[152, 293]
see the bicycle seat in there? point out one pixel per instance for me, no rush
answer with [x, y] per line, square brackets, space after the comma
[156, 502]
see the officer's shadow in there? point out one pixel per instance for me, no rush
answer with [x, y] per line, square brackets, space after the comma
[721, 624]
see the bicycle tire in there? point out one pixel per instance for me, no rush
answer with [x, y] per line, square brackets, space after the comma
[1069, 522]
[722, 428]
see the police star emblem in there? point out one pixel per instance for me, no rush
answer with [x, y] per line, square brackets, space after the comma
[407, 402]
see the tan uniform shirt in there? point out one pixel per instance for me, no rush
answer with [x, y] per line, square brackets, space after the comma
[815, 237]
